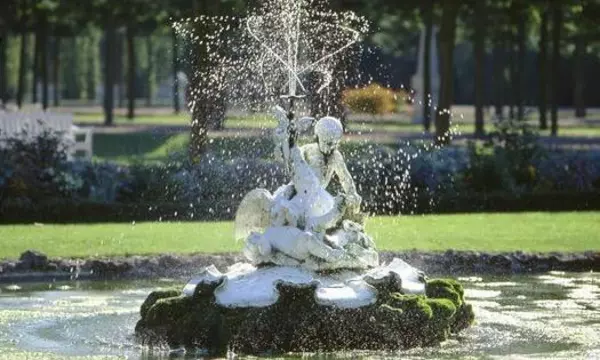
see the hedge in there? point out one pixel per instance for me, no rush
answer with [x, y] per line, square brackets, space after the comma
[92, 212]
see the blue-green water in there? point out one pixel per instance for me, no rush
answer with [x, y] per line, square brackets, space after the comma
[550, 316]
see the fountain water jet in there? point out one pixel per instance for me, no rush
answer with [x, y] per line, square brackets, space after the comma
[308, 252]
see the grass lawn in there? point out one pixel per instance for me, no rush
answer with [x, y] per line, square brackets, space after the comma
[161, 119]
[262, 121]
[146, 146]
[539, 232]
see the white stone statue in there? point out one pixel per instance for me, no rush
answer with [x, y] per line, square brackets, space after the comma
[301, 224]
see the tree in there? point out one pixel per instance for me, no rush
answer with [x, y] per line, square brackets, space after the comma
[8, 18]
[3, 72]
[150, 73]
[579, 55]
[479, 48]
[521, 13]
[56, 70]
[446, 38]
[43, 38]
[208, 105]
[109, 71]
[584, 30]
[557, 23]
[23, 18]
[35, 67]
[427, 14]
[131, 62]
[175, 51]
[543, 67]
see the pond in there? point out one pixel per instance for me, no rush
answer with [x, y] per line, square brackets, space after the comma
[554, 315]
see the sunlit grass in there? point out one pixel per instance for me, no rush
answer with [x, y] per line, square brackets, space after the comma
[536, 232]
[366, 124]
[159, 119]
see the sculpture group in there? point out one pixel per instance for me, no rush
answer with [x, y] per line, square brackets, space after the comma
[301, 223]
[309, 256]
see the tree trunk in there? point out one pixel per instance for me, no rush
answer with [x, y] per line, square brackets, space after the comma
[520, 76]
[22, 69]
[175, 51]
[479, 49]
[447, 36]
[43, 39]
[151, 77]
[130, 73]
[556, 30]
[3, 72]
[109, 72]
[56, 71]
[498, 80]
[207, 104]
[428, 20]
[579, 68]
[543, 71]
[92, 68]
[119, 71]
[512, 81]
[35, 67]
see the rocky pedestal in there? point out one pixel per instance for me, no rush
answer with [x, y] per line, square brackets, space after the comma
[275, 309]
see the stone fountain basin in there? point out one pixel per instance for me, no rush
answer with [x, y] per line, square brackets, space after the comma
[245, 285]
[274, 309]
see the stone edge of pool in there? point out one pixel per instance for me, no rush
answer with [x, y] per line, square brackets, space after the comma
[35, 266]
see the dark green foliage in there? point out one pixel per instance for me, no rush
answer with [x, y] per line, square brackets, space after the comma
[445, 289]
[151, 183]
[297, 323]
[154, 297]
[36, 169]
[506, 160]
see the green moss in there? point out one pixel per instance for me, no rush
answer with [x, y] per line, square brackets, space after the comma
[445, 289]
[457, 287]
[442, 308]
[465, 317]
[414, 307]
[168, 311]
[155, 296]
[297, 323]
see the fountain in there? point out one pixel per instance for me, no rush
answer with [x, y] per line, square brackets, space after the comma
[313, 280]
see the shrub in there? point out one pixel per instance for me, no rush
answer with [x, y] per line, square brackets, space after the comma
[568, 170]
[102, 182]
[505, 161]
[151, 183]
[373, 99]
[36, 168]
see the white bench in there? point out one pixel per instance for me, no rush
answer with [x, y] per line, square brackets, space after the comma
[32, 124]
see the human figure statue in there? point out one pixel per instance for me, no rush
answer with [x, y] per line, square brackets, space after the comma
[323, 157]
[302, 224]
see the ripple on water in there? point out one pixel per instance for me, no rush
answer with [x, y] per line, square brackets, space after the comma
[481, 294]
[498, 284]
[585, 292]
[523, 317]
[554, 280]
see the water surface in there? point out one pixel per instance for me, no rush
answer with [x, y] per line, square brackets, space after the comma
[554, 315]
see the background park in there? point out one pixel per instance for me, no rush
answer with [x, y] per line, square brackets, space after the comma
[520, 169]
[145, 212]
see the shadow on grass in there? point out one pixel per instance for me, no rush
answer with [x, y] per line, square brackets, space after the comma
[146, 146]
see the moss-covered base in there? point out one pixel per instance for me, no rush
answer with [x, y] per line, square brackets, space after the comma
[296, 323]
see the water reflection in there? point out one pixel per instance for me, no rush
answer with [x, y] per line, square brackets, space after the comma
[555, 315]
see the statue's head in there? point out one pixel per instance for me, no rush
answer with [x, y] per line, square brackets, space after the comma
[329, 132]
